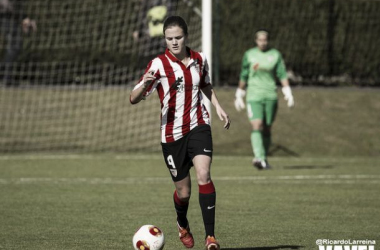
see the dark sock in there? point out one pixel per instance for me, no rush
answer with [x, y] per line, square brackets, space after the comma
[207, 199]
[181, 208]
[267, 140]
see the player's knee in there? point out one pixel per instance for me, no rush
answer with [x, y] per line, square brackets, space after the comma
[184, 197]
[257, 125]
[203, 177]
[184, 193]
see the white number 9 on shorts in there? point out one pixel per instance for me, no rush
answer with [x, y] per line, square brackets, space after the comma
[173, 169]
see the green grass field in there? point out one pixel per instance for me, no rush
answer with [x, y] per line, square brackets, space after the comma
[98, 201]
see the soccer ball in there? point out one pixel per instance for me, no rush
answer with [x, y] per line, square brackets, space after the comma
[149, 237]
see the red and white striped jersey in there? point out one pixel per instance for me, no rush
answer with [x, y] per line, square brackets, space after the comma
[179, 89]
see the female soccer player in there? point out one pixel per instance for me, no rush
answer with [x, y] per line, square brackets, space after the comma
[179, 76]
[260, 66]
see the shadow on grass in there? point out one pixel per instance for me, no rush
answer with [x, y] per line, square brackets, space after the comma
[266, 248]
[308, 167]
[279, 148]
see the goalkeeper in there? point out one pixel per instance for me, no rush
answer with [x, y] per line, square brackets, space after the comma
[260, 67]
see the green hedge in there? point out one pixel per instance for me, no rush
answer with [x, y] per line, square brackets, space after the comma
[318, 38]
[323, 41]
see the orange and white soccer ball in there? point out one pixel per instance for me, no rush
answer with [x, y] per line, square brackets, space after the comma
[149, 237]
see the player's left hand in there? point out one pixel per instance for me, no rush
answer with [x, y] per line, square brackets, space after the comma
[223, 117]
[239, 101]
[288, 96]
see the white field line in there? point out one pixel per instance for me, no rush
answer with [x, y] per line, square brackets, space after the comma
[158, 156]
[287, 179]
[79, 157]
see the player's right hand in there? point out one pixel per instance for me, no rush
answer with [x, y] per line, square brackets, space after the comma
[239, 99]
[149, 78]
[288, 96]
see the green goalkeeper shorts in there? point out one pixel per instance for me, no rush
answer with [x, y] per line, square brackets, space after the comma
[264, 110]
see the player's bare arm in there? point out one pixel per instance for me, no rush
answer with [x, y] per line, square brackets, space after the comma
[242, 85]
[138, 94]
[223, 116]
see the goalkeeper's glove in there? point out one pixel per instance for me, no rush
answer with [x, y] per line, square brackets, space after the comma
[287, 91]
[239, 99]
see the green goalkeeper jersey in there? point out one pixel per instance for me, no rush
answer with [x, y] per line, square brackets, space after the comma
[259, 70]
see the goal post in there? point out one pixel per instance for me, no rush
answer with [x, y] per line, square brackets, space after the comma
[207, 41]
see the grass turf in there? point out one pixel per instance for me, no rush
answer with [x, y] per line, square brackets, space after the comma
[325, 122]
[98, 202]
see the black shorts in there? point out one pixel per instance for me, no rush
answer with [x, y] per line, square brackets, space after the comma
[179, 155]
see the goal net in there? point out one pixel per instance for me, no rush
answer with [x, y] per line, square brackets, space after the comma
[68, 68]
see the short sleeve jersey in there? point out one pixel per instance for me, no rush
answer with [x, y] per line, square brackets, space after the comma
[260, 69]
[179, 89]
